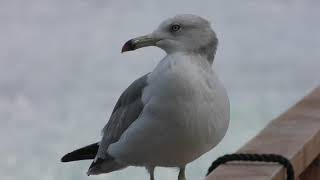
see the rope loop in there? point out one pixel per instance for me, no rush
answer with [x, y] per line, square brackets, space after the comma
[256, 158]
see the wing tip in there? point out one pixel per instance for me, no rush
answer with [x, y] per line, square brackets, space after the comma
[84, 153]
[65, 158]
[95, 167]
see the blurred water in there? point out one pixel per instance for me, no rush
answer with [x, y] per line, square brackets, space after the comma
[61, 72]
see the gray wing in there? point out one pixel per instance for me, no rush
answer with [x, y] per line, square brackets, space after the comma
[126, 111]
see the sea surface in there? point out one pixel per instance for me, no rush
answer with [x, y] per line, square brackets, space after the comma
[61, 72]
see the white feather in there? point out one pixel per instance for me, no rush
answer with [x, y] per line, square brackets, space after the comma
[186, 114]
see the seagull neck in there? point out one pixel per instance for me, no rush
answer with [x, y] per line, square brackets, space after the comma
[205, 55]
[192, 54]
[208, 51]
[192, 57]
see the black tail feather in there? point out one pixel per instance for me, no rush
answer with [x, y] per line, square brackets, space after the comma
[87, 152]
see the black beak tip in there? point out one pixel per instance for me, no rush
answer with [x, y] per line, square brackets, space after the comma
[128, 46]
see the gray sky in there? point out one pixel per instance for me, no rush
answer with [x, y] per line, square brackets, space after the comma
[61, 72]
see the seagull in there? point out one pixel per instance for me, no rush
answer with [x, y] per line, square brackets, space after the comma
[170, 116]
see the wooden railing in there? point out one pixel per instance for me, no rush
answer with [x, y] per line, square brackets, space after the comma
[295, 135]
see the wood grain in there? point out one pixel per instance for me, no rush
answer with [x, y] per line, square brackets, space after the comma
[295, 135]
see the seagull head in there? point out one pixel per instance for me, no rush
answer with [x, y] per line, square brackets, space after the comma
[184, 33]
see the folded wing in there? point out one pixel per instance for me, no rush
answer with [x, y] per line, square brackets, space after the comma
[126, 111]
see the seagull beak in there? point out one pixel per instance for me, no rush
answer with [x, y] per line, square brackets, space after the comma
[139, 42]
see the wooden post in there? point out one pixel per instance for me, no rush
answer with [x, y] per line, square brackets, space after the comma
[295, 135]
[312, 172]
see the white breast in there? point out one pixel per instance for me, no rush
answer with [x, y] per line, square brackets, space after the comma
[186, 114]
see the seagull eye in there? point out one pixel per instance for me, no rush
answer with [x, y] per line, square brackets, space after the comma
[175, 27]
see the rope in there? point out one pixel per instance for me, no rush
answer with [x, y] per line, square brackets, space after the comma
[254, 157]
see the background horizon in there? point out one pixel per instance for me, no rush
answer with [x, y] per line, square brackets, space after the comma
[61, 73]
